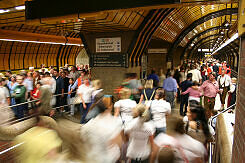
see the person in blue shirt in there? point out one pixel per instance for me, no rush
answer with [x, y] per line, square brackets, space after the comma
[154, 77]
[184, 98]
[170, 88]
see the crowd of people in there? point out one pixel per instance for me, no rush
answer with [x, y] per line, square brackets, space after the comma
[139, 127]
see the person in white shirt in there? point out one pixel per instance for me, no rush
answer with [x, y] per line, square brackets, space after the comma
[224, 81]
[4, 93]
[196, 74]
[159, 109]
[102, 135]
[85, 92]
[140, 135]
[186, 149]
[124, 106]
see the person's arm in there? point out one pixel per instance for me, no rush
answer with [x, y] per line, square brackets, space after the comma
[154, 150]
[141, 98]
[200, 77]
[74, 86]
[81, 96]
[117, 111]
[187, 91]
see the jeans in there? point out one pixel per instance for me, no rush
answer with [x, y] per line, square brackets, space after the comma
[160, 130]
[170, 98]
[84, 112]
[72, 106]
[183, 104]
[92, 114]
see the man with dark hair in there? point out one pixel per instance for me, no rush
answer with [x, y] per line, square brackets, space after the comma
[154, 77]
[170, 88]
[210, 89]
[8, 74]
[184, 98]
[74, 73]
[59, 88]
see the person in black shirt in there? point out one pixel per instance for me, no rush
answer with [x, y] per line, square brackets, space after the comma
[184, 98]
[66, 85]
[59, 89]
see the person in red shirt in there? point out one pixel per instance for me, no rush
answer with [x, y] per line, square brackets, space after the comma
[209, 70]
[35, 94]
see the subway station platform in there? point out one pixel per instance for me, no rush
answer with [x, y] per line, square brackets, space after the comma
[111, 40]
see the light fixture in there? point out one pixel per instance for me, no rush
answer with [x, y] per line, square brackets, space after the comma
[192, 44]
[205, 50]
[39, 42]
[3, 11]
[235, 36]
[222, 32]
[20, 7]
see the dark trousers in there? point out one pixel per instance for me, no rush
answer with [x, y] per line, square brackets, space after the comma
[59, 102]
[209, 105]
[84, 112]
[223, 94]
[183, 104]
[20, 111]
[170, 98]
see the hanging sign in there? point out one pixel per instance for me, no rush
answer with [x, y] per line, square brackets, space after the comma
[159, 51]
[108, 45]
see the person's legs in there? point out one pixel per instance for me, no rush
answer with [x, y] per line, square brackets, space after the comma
[207, 106]
[182, 103]
[20, 111]
[170, 98]
[186, 104]
[84, 112]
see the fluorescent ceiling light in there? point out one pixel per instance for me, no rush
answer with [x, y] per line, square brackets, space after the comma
[192, 44]
[3, 11]
[20, 7]
[205, 50]
[235, 36]
[39, 42]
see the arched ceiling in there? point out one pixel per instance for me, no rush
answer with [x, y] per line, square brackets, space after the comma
[170, 29]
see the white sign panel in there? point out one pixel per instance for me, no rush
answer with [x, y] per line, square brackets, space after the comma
[157, 51]
[108, 44]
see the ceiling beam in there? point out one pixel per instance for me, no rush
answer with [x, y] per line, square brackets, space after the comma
[26, 36]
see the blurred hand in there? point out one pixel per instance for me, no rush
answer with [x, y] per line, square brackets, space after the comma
[84, 106]
[51, 113]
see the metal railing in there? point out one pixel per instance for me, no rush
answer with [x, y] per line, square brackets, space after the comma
[33, 115]
[8, 149]
[211, 121]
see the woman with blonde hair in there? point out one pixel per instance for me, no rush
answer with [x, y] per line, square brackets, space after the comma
[148, 93]
[124, 106]
[140, 134]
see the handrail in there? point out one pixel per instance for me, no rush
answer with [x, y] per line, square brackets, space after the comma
[213, 117]
[27, 102]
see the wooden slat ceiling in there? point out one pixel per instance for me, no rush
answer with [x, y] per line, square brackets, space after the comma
[119, 20]
[181, 18]
[106, 21]
[219, 21]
